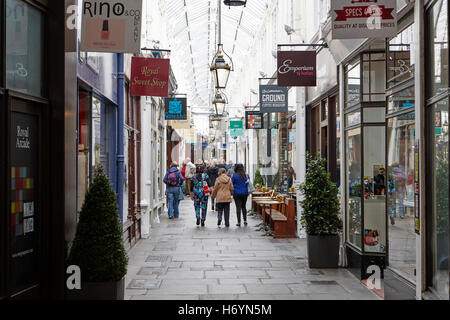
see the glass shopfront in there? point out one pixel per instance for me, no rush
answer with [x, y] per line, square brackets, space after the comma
[96, 140]
[437, 112]
[400, 148]
[365, 153]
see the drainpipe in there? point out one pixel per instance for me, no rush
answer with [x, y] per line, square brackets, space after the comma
[120, 138]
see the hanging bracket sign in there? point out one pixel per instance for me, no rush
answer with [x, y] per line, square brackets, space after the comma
[149, 77]
[297, 68]
[111, 26]
[273, 98]
[357, 19]
[175, 108]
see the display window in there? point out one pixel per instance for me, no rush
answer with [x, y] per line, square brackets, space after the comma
[437, 161]
[353, 83]
[354, 188]
[438, 115]
[25, 44]
[400, 190]
[400, 57]
[437, 48]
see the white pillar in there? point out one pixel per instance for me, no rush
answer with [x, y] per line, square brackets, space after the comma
[300, 153]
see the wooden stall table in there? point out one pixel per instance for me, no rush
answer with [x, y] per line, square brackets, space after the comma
[263, 204]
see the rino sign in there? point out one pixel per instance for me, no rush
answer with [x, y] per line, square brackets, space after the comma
[111, 26]
[297, 68]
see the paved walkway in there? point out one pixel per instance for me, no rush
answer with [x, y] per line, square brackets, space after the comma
[183, 261]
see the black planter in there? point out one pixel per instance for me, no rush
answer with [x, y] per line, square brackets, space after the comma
[323, 251]
[98, 291]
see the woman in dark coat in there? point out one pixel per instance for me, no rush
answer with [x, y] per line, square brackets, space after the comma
[213, 173]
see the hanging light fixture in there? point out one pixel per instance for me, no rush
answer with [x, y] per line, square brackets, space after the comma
[219, 102]
[235, 3]
[220, 69]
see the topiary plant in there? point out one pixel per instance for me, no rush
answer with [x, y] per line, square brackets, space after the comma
[320, 203]
[98, 247]
[258, 178]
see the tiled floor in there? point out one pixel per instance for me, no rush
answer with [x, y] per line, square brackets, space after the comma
[183, 261]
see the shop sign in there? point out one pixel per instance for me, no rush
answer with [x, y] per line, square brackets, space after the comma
[111, 26]
[297, 68]
[357, 19]
[150, 77]
[175, 108]
[273, 98]
[292, 136]
[236, 128]
[254, 120]
[24, 209]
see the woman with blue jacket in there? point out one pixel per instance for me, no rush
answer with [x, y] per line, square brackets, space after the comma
[240, 181]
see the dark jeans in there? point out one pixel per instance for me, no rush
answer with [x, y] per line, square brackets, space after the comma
[212, 204]
[241, 205]
[225, 208]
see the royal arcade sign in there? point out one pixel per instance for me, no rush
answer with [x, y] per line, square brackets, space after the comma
[356, 19]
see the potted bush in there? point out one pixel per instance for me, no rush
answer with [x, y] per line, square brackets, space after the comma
[320, 215]
[280, 198]
[98, 246]
[259, 180]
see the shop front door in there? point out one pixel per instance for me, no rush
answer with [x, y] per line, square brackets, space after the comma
[27, 215]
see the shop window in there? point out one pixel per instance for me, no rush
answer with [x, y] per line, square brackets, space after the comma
[84, 120]
[400, 194]
[374, 77]
[354, 189]
[96, 131]
[353, 118]
[374, 189]
[438, 120]
[438, 48]
[401, 60]
[352, 84]
[25, 30]
[402, 100]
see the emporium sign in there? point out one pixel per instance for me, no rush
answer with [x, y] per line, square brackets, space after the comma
[273, 98]
[149, 77]
[297, 68]
[175, 108]
[356, 19]
[111, 26]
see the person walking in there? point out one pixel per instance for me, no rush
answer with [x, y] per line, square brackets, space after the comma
[223, 193]
[240, 181]
[290, 175]
[189, 172]
[200, 184]
[230, 170]
[222, 164]
[213, 173]
[173, 180]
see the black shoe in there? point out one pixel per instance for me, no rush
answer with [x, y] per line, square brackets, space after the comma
[392, 220]
[227, 225]
[198, 221]
[170, 218]
[238, 224]
[203, 223]
[219, 222]
[245, 223]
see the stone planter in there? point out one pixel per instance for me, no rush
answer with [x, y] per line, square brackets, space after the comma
[323, 251]
[99, 291]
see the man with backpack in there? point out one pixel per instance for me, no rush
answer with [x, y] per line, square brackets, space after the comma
[173, 180]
